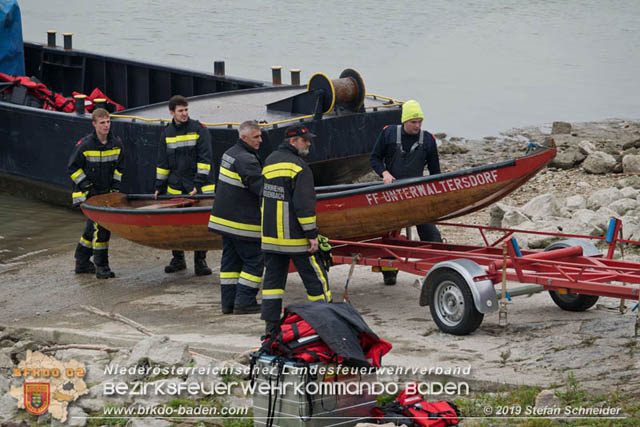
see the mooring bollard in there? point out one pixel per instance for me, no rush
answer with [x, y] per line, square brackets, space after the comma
[276, 75]
[80, 99]
[295, 76]
[100, 103]
[51, 38]
[218, 68]
[67, 40]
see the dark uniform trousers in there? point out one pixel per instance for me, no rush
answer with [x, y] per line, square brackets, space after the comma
[180, 254]
[241, 269]
[94, 241]
[311, 272]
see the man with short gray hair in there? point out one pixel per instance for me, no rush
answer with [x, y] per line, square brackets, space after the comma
[236, 216]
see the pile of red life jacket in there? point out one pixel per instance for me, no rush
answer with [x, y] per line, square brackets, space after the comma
[49, 100]
[299, 340]
[411, 409]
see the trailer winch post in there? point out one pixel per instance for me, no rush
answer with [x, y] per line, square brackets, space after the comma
[612, 236]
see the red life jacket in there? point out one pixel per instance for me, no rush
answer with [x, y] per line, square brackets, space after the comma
[410, 404]
[55, 101]
[299, 340]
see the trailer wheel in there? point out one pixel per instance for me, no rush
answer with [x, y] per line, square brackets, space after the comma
[571, 301]
[451, 304]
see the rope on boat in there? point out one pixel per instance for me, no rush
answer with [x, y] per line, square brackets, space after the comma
[392, 103]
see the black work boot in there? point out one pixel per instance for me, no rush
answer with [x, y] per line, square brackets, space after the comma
[249, 309]
[177, 263]
[86, 267]
[200, 263]
[389, 277]
[104, 272]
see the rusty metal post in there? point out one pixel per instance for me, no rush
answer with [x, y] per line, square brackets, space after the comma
[295, 76]
[276, 75]
[51, 38]
[218, 68]
[79, 103]
[67, 40]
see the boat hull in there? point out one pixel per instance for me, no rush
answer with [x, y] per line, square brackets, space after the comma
[358, 210]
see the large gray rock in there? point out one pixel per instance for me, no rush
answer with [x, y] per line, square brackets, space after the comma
[548, 399]
[604, 215]
[76, 417]
[622, 206]
[630, 230]
[576, 202]
[599, 163]
[449, 148]
[629, 181]
[496, 213]
[583, 221]
[631, 144]
[631, 163]
[6, 364]
[8, 407]
[159, 350]
[629, 192]
[568, 159]
[560, 128]
[5, 384]
[586, 147]
[543, 207]
[514, 218]
[603, 197]
[534, 241]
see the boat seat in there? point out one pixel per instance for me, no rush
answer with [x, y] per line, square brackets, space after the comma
[172, 203]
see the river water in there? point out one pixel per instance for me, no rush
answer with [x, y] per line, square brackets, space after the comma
[477, 67]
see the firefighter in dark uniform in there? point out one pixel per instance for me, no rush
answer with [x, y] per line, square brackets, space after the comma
[403, 151]
[236, 215]
[96, 167]
[289, 230]
[184, 167]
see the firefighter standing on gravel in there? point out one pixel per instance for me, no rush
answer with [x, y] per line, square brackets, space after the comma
[184, 167]
[403, 151]
[236, 215]
[289, 230]
[96, 167]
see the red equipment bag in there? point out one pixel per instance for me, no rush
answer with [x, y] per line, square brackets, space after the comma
[297, 339]
[422, 413]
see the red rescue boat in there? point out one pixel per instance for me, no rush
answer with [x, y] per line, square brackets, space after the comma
[343, 211]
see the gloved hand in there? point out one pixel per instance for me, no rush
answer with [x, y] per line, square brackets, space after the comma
[324, 254]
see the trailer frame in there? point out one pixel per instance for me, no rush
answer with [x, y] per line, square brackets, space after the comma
[458, 281]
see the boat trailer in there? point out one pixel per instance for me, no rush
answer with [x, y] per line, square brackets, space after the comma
[459, 281]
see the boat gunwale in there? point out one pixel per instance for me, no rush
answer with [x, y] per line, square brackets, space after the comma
[362, 189]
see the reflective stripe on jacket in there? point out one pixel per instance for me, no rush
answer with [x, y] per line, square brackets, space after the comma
[184, 158]
[95, 167]
[236, 209]
[288, 202]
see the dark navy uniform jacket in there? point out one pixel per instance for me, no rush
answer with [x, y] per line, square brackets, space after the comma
[386, 153]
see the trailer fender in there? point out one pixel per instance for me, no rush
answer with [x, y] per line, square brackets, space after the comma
[484, 295]
[588, 248]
